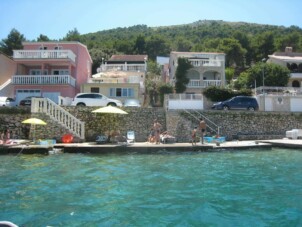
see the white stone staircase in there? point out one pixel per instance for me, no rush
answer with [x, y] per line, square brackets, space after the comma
[59, 114]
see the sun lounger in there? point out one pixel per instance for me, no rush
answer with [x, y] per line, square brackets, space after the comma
[165, 137]
[130, 137]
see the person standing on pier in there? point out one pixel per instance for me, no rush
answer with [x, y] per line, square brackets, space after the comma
[202, 128]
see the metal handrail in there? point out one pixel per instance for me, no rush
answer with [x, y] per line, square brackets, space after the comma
[207, 121]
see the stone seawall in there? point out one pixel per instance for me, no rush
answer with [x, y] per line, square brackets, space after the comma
[13, 123]
[235, 125]
[139, 120]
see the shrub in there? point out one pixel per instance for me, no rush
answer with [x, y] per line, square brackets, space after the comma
[216, 94]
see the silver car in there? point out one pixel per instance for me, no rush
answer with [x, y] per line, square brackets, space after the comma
[94, 99]
[6, 101]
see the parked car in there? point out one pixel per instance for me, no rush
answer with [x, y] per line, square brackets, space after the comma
[94, 99]
[237, 103]
[27, 100]
[132, 103]
[6, 101]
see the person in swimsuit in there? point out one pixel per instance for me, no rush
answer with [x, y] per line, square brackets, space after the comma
[202, 128]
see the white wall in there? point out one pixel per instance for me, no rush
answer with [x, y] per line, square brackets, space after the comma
[185, 104]
[296, 104]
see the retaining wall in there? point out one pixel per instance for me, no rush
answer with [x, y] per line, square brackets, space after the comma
[234, 125]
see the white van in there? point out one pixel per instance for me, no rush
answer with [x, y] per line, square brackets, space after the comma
[6, 101]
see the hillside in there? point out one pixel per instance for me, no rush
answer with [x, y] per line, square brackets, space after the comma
[242, 42]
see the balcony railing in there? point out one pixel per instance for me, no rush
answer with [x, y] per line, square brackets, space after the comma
[43, 80]
[203, 84]
[125, 80]
[123, 67]
[208, 63]
[44, 54]
[278, 91]
[296, 75]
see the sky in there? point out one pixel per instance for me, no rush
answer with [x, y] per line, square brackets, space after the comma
[55, 18]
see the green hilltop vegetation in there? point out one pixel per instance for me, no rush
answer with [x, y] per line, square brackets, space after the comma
[243, 43]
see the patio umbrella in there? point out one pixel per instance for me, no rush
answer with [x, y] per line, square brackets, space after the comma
[109, 110]
[34, 122]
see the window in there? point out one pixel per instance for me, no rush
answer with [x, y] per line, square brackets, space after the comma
[90, 96]
[121, 92]
[58, 48]
[95, 90]
[42, 48]
[27, 91]
[60, 72]
[35, 72]
[118, 92]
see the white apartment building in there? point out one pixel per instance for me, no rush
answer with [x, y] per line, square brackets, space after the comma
[208, 69]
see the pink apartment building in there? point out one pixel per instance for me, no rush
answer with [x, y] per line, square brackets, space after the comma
[7, 69]
[50, 69]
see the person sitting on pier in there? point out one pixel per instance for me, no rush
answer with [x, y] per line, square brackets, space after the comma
[5, 137]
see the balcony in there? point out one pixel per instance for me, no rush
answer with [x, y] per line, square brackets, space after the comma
[44, 54]
[123, 67]
[203, 84]
[206, 63]
[43, 80]
[121, 80]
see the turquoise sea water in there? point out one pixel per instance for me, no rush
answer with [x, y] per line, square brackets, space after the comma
[247, 188]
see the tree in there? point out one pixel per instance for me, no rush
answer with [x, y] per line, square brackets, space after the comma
[97, 55]
[245, 42]
[124, 46]
[12, 42]
[164, 89]
[183, 65]
[73, 35]
[289, 40]
[157, 46]
[140, 45]
[153, 68]
[263, 44]
[42, 38]
[152, 82]
[233, 50]
[229, 74]
[183, 45]
[274, 75]
[207, 45]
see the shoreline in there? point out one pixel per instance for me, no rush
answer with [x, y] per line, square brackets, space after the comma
[145, 147]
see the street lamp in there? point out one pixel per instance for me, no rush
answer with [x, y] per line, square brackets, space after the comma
[263, 60]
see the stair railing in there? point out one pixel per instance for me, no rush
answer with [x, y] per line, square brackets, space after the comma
[58, 114]
[210, 124]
